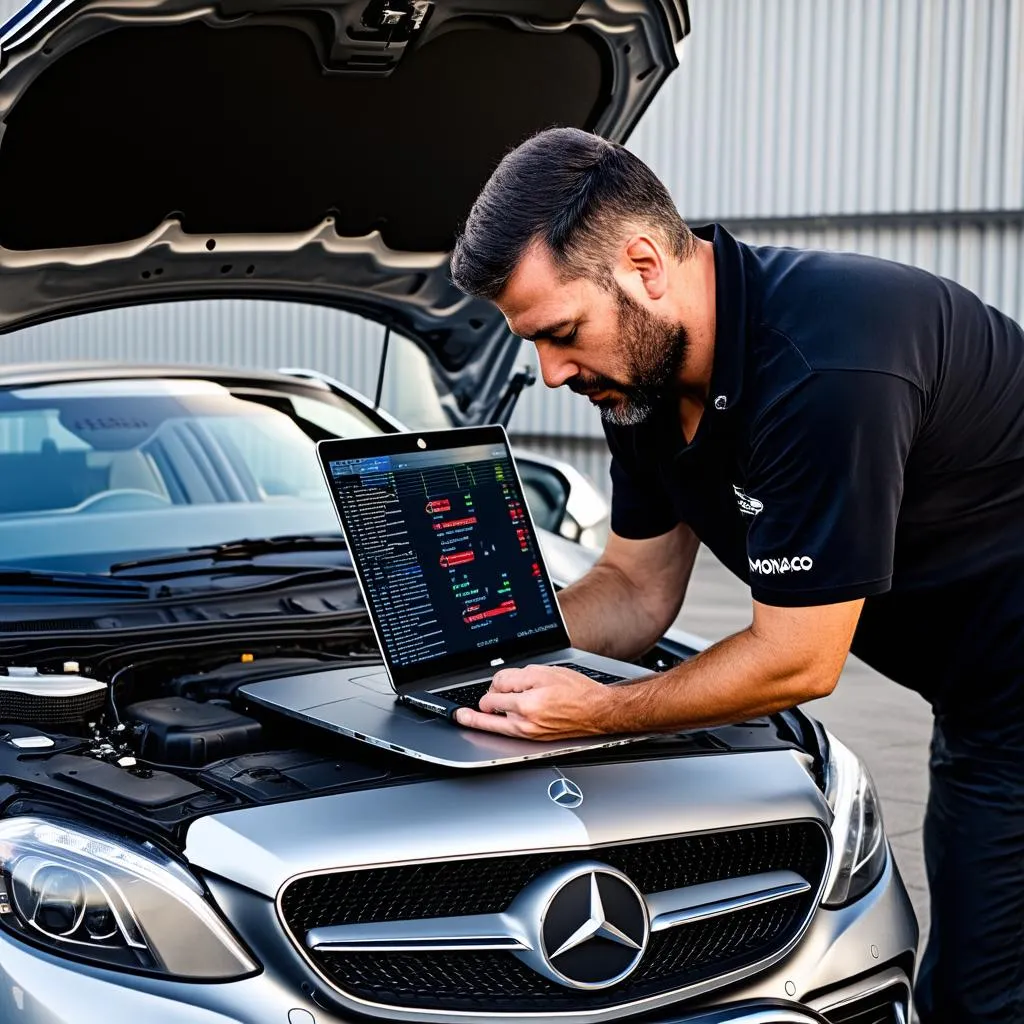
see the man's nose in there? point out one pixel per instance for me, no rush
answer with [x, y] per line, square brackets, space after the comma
[555, 368]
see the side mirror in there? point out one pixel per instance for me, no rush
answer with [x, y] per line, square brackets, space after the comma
[547, 493]
[563, 500]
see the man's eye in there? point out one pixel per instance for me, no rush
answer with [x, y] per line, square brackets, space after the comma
[565, 339]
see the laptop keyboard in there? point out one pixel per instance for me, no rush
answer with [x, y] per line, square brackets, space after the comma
[468, 696]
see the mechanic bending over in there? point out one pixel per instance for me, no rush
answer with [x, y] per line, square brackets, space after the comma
[847, 435]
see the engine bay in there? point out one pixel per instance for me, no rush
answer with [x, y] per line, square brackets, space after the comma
[159, 739]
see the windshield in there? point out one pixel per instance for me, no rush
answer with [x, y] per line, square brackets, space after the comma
[98, 472]
[258, 333]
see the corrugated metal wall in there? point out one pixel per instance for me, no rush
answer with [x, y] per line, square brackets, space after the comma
[889, 128]
[790, 108]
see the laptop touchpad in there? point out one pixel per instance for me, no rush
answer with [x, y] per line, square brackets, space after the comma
[375, 682]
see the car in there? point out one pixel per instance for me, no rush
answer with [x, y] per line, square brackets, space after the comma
[170, 853]
[562, 498]
[236, 445]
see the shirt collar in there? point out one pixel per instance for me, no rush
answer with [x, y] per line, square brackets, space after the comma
[730, 319]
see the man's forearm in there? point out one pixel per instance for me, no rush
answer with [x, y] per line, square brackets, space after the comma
[739, 678]
[605, 615]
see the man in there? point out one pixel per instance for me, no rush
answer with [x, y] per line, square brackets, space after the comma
[845, 434]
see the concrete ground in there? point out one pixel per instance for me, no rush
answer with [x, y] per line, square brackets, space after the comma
[888, 726]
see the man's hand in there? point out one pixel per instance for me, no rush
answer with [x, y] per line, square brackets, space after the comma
[785, 657]
[540, 702]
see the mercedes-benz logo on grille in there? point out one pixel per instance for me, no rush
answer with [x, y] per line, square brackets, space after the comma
[593, 929]
[565, 793]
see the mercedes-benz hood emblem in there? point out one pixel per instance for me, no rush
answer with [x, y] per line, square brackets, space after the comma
[565, 792]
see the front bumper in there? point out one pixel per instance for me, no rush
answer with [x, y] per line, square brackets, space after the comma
[873, 941]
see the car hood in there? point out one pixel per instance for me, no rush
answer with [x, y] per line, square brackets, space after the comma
[156, 150]
[262, 847]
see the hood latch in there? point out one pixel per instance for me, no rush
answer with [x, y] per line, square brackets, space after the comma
[394, 21]
[372, 43]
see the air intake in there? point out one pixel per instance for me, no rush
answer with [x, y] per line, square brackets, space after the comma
[31, 697]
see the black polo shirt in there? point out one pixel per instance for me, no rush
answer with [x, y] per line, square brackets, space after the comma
[863, 438]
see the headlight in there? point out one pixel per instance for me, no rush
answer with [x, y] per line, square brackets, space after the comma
[111, 901]
[858, 836]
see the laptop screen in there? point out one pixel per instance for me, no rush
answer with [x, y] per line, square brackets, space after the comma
[445, 549]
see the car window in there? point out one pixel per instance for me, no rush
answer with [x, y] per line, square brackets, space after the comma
[76, 450]
[45, 467]
[96, 472]
[278, 458]
[32, 431]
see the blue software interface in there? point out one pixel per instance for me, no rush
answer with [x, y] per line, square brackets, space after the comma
[448, 558]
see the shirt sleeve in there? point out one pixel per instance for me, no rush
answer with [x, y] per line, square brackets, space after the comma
[641, 504]
[826, 479]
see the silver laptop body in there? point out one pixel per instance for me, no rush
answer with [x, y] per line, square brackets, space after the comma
[452, 574]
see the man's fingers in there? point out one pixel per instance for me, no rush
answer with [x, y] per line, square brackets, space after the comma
[506, 701]
[510, 680]
[502, 724]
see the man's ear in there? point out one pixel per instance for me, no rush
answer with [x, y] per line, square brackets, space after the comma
[643, 256]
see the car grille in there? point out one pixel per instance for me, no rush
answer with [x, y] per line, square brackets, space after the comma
[675, 959]
[885, 1007]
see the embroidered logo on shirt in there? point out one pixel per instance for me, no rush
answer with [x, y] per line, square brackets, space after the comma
[775, 566]
[748, 506]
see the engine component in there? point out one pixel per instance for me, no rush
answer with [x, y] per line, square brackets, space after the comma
[174, 730]
[273, 774]
[150, 789]
[31, 742]
[30, 696]
[223, 681]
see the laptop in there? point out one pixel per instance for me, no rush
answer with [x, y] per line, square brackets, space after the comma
[454, 579]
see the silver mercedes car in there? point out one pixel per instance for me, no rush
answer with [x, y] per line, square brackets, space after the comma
[170, 853]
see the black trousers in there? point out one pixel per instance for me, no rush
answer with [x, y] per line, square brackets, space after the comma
[972, 971]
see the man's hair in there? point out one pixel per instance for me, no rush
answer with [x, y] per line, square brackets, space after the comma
[572, 191]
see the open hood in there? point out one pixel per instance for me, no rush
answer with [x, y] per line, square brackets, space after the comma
[156, 150]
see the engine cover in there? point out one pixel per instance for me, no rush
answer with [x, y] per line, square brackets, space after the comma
[175, 730]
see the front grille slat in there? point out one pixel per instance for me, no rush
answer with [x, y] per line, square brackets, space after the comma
[675, 959]
[877, 1008]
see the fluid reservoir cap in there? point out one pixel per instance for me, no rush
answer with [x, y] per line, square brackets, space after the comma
[31, 742]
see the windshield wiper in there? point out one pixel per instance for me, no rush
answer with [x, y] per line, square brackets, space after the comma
[73, 582]
[242, 550]
[276, 577]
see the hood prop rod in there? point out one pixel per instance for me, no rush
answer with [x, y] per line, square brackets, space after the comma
[380, 369]
[505, 406]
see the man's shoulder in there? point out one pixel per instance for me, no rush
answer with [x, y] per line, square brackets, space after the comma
[841, 310]
[785, 273]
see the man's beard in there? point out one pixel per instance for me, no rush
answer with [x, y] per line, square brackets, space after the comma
[654, 350]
